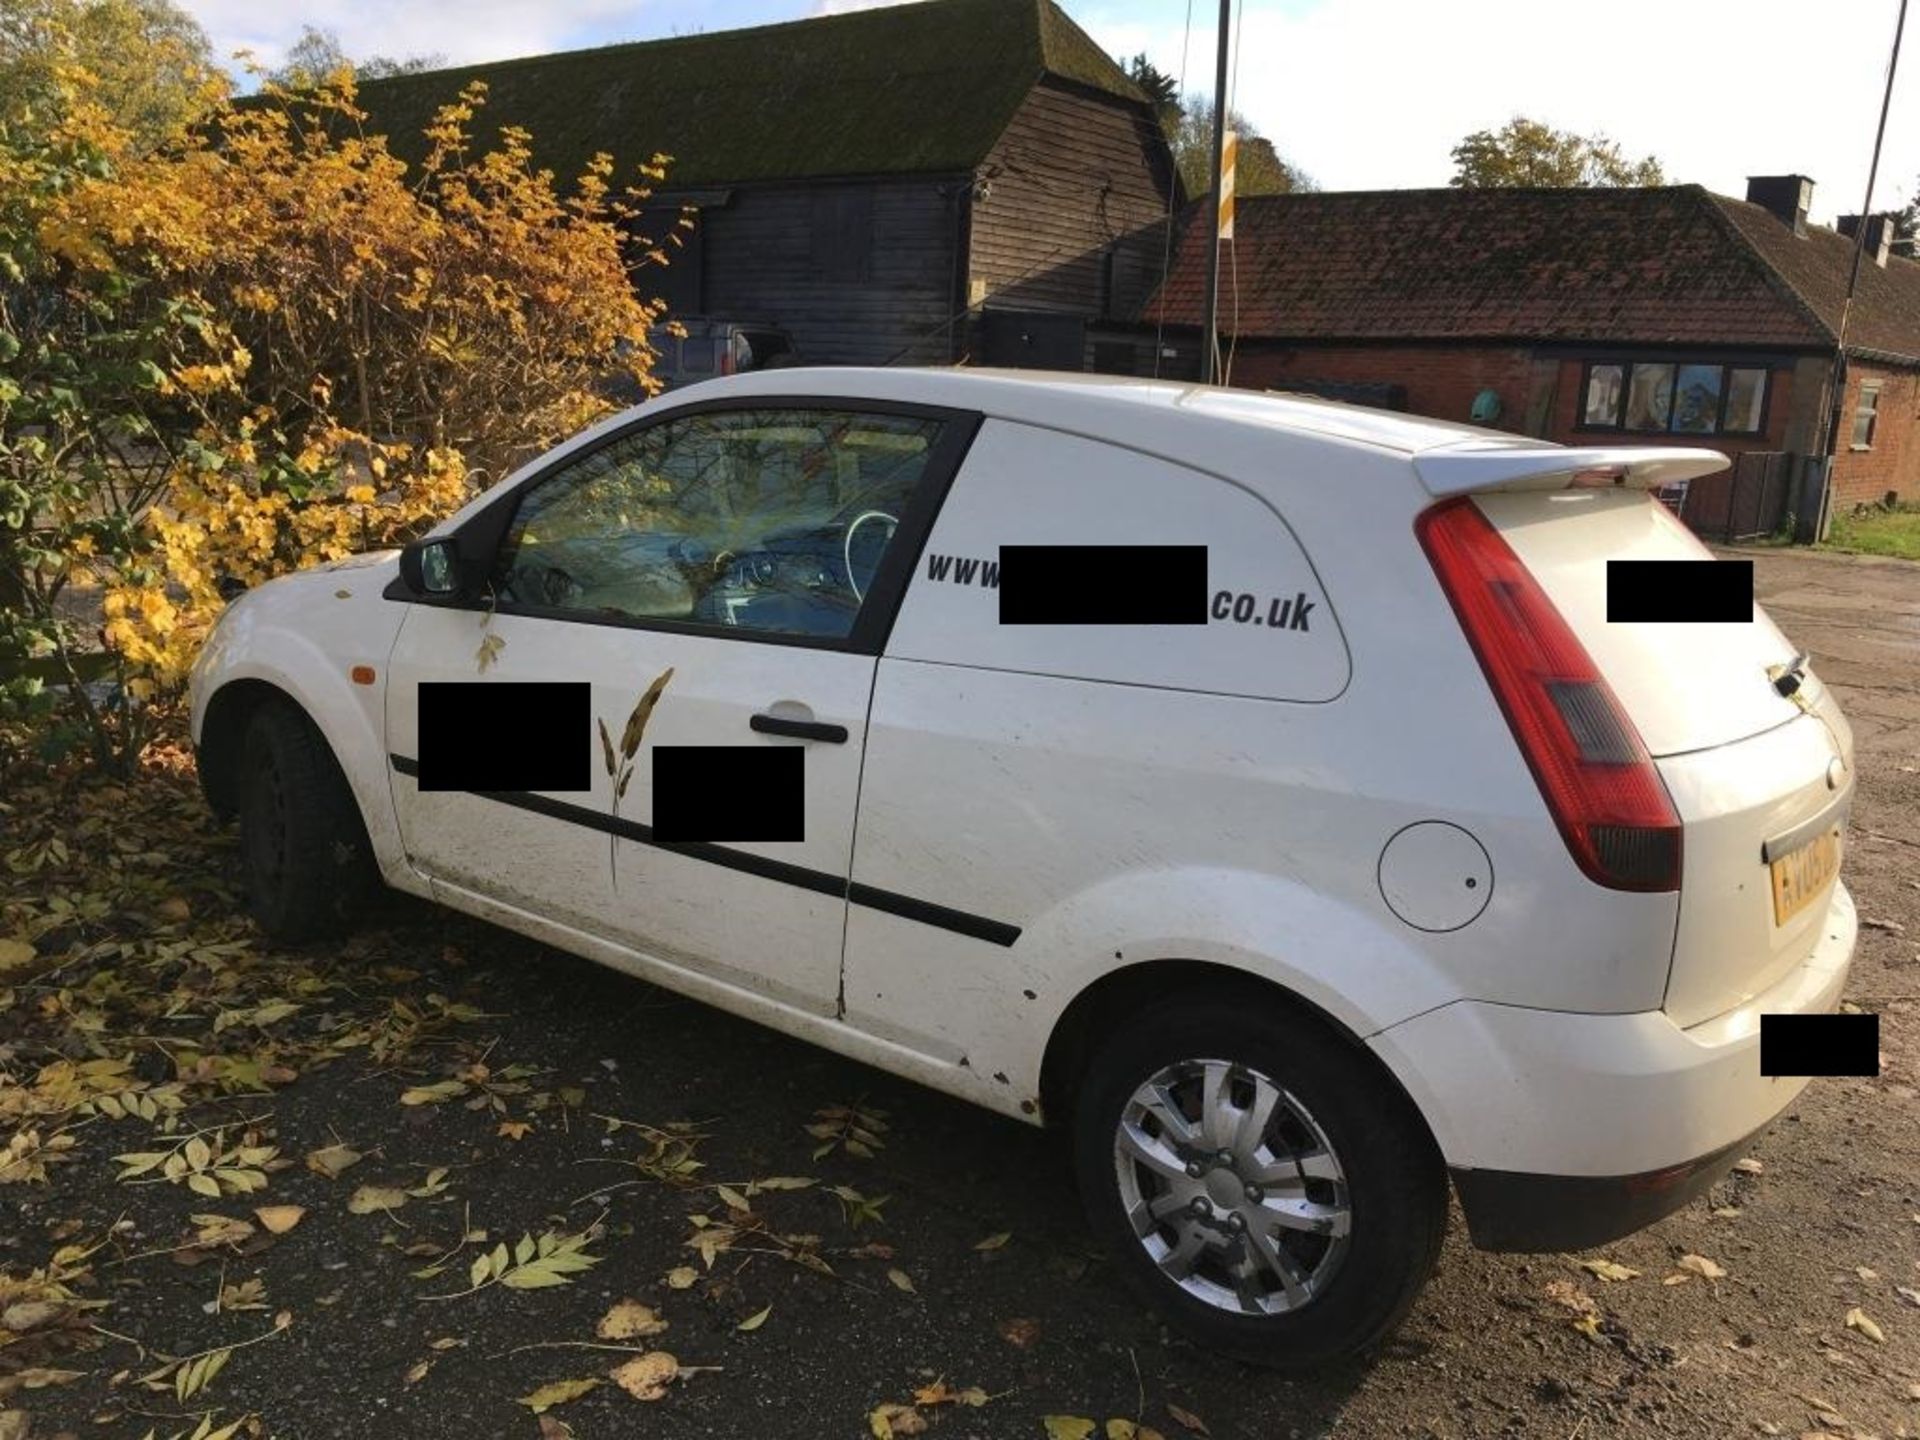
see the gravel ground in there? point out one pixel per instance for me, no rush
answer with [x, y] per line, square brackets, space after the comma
[1826, 1222]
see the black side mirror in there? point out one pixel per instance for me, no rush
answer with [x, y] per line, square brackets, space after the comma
[432, 568]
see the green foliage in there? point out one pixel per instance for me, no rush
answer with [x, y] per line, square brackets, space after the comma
[150, 65]
[1877, 530]
[318, 55]
[1530, 153]
[1260, 170]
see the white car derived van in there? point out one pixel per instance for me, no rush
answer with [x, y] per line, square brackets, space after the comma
[1254, 788]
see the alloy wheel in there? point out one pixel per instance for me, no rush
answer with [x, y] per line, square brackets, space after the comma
[1232, 1188]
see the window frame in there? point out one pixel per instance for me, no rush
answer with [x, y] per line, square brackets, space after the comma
[483, 533]
[1869, 390]
[1627, 365]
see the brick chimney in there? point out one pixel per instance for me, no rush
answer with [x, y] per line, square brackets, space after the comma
[1880, 230]
[1787, 196]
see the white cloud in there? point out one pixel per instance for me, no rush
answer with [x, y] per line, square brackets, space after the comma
[461, 30]
[1369, 94]
[842, 7]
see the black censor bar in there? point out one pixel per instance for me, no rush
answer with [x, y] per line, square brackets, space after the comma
[729, 792]
[1103, 584]
[501, 735]
[1680, 591]
[1820, 1045]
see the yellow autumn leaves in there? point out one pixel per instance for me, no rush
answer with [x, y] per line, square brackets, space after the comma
[316, 347]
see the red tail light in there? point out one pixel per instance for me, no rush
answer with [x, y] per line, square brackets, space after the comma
[1592, 769]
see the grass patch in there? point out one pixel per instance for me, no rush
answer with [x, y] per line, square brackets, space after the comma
[1878, 532]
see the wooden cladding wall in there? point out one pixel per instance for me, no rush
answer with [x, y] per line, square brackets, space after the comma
[859, 272]
[1073, 175]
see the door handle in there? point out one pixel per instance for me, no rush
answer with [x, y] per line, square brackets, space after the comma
[800, 729]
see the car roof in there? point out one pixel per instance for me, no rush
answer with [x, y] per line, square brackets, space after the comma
[1132, 411]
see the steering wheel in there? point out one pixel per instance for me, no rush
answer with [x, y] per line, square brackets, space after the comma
[846, 548]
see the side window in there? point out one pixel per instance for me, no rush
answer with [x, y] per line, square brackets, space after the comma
[1268, 629]
[764, 520]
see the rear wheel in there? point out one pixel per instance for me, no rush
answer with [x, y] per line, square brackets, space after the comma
[303, 846]
[1259, 1180]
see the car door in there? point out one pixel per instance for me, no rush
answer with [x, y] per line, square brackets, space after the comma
[744, 561]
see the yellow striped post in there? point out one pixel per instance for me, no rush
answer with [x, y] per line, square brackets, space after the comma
[1226, 185]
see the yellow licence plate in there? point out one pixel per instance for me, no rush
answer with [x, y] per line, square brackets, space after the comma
[1802, 875]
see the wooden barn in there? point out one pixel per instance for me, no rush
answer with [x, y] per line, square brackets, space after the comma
[957, 179]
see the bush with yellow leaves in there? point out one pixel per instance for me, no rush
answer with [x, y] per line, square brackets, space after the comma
[269, 344]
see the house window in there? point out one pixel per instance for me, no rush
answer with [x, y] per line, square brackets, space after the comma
[1866, 412]
[1681, 399]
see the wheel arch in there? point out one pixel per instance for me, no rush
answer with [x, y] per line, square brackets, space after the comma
[350, 728]
[224, 727]
[1126, 991]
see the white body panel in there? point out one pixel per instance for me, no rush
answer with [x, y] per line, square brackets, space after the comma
[756, 933]
[1220, 793]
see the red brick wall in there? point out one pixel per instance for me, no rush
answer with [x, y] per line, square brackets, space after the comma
[1440, 381]
[1893, 461]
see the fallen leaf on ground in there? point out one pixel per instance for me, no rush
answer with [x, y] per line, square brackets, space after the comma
[15, 952]
[1020, 1332]
[681, 1277]
[552, 1427]
[754, 1322]
[1703, 1267]
[887, 1421]
[370, 1198]
[513, 1129]
[417, 1372]
[1121, 1429]
[994, 1242]
[1187, 1418]
[628, 1319]
[279, 1219]
[1908, 1294]
[1565, 1292]
[1608, 1270]
[902, 1281]
[330, 1160]
[646, 1377]
[1858, 1319]
[558, 1392]
[941, 1393]
[1067, 1427]
[15, 1424]
[1748, 1166]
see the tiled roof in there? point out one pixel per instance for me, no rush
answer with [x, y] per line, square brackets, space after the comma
[910, 89]
[1670, 264]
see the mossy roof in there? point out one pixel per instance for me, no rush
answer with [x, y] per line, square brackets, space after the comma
[907, 89]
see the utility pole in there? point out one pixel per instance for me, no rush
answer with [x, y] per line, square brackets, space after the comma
[1210, 328]
[1837, 381]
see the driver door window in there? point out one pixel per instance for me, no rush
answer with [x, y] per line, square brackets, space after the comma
[773, 521]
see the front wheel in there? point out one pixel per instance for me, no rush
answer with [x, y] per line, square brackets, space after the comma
[1259, 1179]
[309, 867]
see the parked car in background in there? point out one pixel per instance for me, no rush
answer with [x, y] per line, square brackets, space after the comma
[713, 347]
[1356, 852]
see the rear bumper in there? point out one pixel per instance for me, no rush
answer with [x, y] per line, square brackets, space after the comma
[1509, 1210]
[1567, 1130]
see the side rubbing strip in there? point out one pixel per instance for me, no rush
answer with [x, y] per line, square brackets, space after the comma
[995, 932]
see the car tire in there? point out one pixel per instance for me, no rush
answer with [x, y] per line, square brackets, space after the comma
[304, 851]
[1345, 1159]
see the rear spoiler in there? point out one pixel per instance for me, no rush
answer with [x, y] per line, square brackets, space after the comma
[1474, 467]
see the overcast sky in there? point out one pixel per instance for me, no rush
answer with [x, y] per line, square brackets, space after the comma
[1363, 94]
